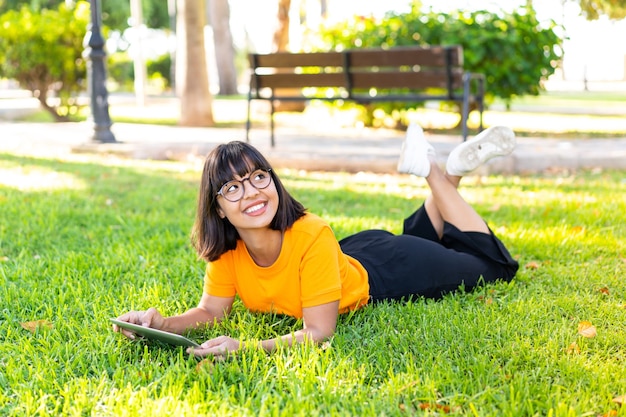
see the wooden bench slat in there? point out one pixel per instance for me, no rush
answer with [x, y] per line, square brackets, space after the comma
[364, 80]
[301, 80]
[435, 57]
[289, 60]
[408, 80]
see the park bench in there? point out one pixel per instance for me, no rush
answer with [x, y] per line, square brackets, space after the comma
[401, 74]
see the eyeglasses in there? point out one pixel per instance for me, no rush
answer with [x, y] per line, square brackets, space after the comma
[234, 191]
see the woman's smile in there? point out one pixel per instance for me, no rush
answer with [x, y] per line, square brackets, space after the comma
[256, 209]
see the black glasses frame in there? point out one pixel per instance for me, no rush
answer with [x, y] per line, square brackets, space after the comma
[267, 171]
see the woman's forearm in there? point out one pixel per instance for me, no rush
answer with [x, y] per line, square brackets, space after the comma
[210, 309]
[290, 339]
[319, 324]
[191, 319]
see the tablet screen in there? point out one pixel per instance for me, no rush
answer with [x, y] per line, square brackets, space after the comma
[154, 334]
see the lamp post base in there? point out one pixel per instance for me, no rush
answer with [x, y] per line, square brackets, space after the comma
[103, 134]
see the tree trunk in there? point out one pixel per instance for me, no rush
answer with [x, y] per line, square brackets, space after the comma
[281, 44]
[39, 89]
[193, 79]
[43, 101]
[219, 15]
[281, 35]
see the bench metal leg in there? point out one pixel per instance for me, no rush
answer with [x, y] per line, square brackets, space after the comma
[465, 110]
[248, 122]
[464, 118]
[272, 123]
[481, 101]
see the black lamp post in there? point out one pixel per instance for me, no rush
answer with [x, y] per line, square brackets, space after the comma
[96, 77]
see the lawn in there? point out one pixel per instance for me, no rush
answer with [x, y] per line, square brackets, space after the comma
[85, 239]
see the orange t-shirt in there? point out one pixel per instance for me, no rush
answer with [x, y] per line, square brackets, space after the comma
[310, 270]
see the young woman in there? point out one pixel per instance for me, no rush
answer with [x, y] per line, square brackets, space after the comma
[262, 245]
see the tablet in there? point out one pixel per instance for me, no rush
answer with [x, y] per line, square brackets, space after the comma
[154, 334]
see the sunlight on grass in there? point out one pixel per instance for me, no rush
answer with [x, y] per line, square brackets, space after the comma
[33, 178]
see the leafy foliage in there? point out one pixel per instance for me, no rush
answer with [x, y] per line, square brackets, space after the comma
[160, 67]
[513, 50]
[42, 50]
[593, 9]
[121, 70]
[115, 13]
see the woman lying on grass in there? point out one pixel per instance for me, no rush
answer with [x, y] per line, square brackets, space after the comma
[262, 245]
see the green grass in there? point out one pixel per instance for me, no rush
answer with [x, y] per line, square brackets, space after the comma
[575, 99]
[83, 239]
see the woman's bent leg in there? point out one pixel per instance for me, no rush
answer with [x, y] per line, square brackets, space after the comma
[450, 205]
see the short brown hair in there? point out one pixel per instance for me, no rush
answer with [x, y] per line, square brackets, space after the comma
[212, 235]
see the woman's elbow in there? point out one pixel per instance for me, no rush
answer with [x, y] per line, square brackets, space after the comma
[320, 334]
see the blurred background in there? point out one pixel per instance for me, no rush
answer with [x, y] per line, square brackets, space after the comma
[156, 48]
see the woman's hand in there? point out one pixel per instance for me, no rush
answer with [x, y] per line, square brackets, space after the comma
[220, 347]
[148, 318]
[209, 310]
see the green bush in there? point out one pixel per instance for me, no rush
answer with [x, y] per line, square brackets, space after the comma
[514, 51]
[42, 51]
[121, 70]
[160, 67]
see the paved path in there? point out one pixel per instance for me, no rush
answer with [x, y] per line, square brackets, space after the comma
[310, 146]
[345, 149]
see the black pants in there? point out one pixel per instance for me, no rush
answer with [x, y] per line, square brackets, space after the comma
[418, 263]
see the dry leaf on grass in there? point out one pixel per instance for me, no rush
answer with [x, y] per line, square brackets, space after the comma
[577, 229]
[487, 300]
[435, 407]
[573, 349]
[621, 400]
[586, 329]
[32, 326]
[532, 265]
[604, 290]
[439, 408]
[206, 365]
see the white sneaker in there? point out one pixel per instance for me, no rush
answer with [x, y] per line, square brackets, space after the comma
[492, 142]
[416, 153]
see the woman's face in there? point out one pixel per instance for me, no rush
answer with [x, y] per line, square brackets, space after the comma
[257, 206]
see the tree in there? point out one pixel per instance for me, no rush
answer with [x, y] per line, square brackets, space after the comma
[192, 74]
[42, 51]
[281, 34]
[115, 13]
[219, 15]
[280, 43]
[593, 9]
